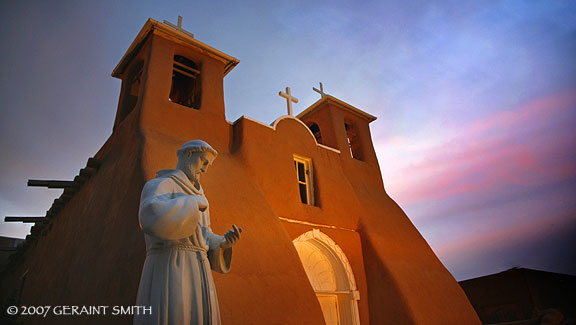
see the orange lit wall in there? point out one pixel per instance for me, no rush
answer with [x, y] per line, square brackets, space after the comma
[94, 252]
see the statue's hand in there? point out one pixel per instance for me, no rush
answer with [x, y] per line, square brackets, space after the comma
[202, 203]
[231, 237]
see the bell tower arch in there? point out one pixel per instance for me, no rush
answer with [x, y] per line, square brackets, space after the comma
[173, 85]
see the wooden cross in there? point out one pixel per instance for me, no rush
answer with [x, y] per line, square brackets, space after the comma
[289, 99]
[321, 91]
[179, 26]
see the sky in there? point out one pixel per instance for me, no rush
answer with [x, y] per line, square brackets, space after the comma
[476, 104]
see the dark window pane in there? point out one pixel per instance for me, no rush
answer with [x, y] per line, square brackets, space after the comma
[316, 131]
[185, 83]
[185, 61]
[301, 172]
[183, 91]
[303, 194]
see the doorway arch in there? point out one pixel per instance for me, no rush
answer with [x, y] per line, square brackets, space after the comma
[331, 277]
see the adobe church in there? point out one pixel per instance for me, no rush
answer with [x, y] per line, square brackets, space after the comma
[322, 244]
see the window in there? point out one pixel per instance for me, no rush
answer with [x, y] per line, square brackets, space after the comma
[353, 141]
[304, 175]
[131, 91]
[316, 131]
[185, 83]
[134, 82]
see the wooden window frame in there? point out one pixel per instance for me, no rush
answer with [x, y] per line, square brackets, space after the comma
[353, 140]
[183, 73]
[308, 179]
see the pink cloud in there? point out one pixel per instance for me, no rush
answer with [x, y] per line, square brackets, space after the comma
[523, 146]
[541, 109]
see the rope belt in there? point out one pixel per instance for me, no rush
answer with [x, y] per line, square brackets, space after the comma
[180, 247]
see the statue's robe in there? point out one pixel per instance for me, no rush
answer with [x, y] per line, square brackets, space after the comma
[181, 249]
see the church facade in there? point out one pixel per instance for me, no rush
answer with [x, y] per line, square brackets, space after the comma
[322, 241]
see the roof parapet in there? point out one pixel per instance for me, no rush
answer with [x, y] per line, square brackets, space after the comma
[328, 99]
[151, 25]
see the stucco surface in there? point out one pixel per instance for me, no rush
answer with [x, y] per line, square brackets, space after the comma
[94, 252]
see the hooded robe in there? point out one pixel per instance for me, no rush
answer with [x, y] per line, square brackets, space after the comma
[181, 249]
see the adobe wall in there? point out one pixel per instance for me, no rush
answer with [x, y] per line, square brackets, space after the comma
[407, 282]
[269, 153]
[93, 253]
[250, 187]
[350, 243]
[406, 278]
[267, 283]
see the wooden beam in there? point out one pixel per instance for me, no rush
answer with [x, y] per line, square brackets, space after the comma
[36, 230]
[79, 180]
[66, 197]
[71, 190]
[23, 219]
[87, 172]
[58, 203]
[93, 163]
[52, 212]
[49, 183]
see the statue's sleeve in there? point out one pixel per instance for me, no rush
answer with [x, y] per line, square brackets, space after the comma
[167, 213]
[220, 259]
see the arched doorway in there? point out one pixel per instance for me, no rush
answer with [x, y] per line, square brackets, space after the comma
[331, 277]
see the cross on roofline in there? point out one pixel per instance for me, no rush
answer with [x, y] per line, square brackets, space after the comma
[289, 99]
[179, 26]
[321, 91]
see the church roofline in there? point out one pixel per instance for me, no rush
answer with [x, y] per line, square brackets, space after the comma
[327, 99]
[274, 124]
[149, 27]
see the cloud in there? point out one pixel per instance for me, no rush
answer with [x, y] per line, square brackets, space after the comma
[484, 194]
[530, 145]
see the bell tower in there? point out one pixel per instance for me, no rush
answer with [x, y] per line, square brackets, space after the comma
[172, 82]
[339, 125]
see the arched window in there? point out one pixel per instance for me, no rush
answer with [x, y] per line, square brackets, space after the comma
[316, 131]
[185, 83]
[131, 91]
[331, 276]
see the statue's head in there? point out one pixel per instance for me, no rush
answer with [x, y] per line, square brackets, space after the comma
[194, 157]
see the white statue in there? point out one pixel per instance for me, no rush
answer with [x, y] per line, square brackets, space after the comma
[181, 249]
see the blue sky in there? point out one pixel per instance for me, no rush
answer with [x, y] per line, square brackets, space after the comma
[475, 103]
